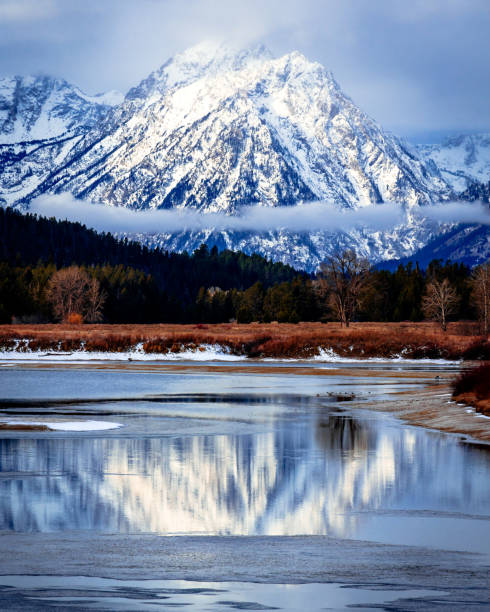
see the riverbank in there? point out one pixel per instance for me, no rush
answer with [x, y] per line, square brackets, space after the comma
[255, 340]
[433, 408]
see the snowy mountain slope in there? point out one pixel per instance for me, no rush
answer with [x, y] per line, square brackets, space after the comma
[24, 166]
[477, 191]
[302, 250]
[41, 119]
[468, 244]
[462, 159]
[42, 108]
[214, 129]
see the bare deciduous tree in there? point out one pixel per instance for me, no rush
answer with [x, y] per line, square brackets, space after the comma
[480, 281]
[440, 300]
[73, 291]
[95, 301]
[342, 277]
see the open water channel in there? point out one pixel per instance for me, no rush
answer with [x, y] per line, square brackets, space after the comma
[224, 488]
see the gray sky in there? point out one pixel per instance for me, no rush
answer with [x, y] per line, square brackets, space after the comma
[420, 67]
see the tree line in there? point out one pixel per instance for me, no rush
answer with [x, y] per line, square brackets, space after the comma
[27, 239]
[442, 291]
[347, 288]
[58, 270]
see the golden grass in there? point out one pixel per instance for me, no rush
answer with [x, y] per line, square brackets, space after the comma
[415, 340]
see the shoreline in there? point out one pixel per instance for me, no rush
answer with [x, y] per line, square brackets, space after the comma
[205, 353]
[434, 409]
[231, 341]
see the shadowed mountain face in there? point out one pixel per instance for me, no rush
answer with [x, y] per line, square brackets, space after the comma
[215, 129]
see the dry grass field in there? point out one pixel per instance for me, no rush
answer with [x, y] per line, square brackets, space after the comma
[412, 340]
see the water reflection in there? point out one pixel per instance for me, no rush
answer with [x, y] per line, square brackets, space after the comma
[343, 433]
[296, 479]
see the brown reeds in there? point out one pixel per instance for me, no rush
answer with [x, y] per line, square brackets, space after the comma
[473, 387]
[284, 340]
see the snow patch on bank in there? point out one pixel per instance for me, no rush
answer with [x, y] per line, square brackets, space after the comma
[204, 352]
[328, 355]
[66, 425]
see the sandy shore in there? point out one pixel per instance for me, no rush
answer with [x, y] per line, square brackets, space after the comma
[433, 408]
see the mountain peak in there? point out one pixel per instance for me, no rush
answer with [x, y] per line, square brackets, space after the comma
[467, 139]
[208, 58]
[463, 159]
[222, 54]
[42, 107]
[218, 127]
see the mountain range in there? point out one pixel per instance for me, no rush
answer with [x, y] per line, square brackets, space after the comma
[217, 129]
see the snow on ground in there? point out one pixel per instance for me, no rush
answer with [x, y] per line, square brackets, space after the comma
[206, 352]
[328, 355]
[67, 425]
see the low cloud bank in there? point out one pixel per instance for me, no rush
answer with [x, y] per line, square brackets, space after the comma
[310, 217]
[457, 212]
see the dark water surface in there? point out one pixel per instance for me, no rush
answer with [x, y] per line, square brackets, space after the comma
[227, 454]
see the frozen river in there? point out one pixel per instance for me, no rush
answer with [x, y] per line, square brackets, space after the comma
[157, 486]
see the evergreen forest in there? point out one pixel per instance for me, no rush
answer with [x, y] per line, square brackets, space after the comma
[142, 285]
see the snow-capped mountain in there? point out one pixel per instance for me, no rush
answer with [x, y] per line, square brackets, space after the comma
[41, 119]
[215, 129]
[467, 244]
[43, 108]
[462, 160]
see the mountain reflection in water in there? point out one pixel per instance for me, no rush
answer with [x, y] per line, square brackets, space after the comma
[303, 478]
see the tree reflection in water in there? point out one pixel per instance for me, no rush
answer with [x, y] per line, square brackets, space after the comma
[344, 433]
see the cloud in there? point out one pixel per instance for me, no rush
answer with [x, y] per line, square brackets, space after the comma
[12, 11]
[309, 217]
[457, 212]
[414, 66]
[316, 216]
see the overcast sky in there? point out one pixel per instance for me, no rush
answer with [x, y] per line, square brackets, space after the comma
[420, 67]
